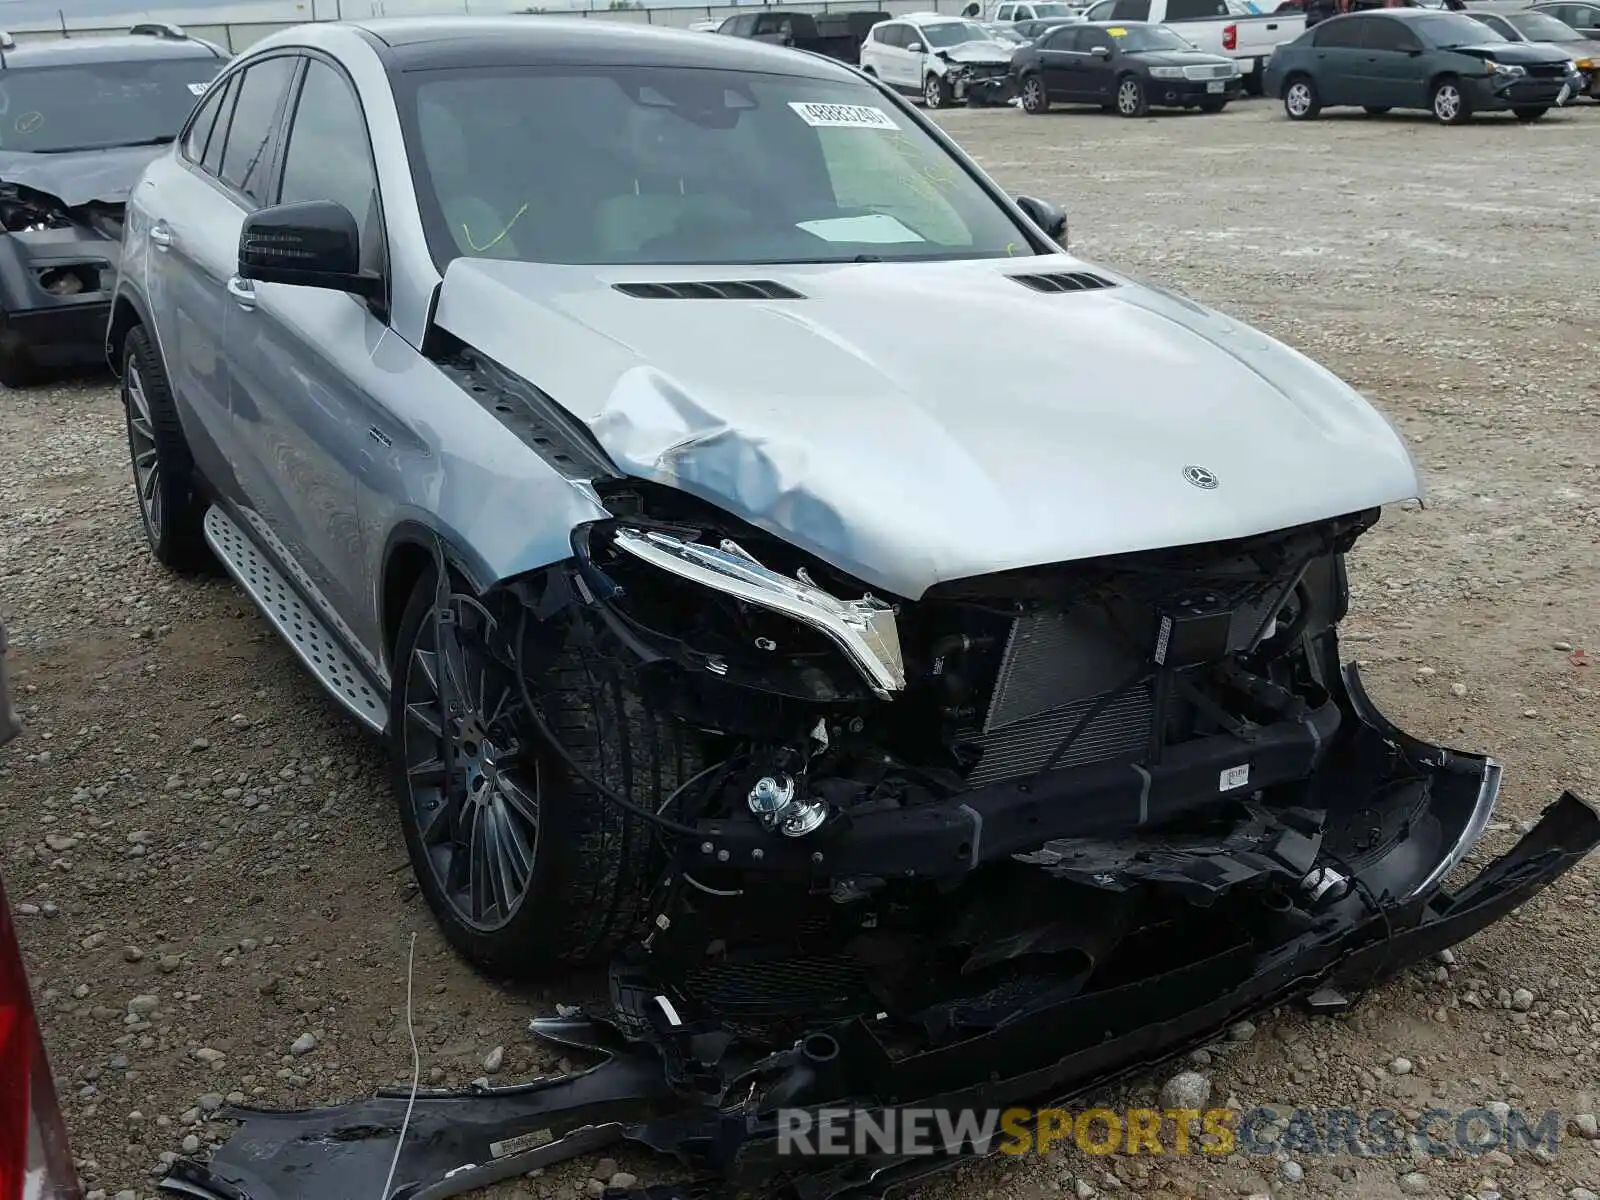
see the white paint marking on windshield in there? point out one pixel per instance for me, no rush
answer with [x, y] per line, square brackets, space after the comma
[877, 228]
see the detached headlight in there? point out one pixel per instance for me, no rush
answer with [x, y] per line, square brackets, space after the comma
[1507, 70]
[1166, 72]
[864, 629]
[1584, 64]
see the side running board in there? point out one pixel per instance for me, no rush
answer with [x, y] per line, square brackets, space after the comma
[322, 653]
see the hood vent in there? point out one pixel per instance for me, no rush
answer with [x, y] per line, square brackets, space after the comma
[1065, 281]
[737, 289]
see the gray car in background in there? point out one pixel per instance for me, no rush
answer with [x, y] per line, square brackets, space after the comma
[1444, 62]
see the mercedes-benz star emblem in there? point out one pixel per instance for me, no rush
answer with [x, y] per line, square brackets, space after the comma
[1200, 477]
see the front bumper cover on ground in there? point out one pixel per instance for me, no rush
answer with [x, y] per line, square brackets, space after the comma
[682, 1086]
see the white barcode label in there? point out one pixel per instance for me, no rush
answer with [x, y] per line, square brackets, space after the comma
[842, 116]
[1234, 777]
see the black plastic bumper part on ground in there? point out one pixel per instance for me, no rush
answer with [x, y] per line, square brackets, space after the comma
[686, 1089]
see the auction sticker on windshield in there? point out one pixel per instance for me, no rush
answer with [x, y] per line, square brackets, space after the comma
[842, 116]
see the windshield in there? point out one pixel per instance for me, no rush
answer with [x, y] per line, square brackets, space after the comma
[1537, 27]
[1447, 29]
[93, 106]
[1134, 38]
[658, 165]
[953, 33]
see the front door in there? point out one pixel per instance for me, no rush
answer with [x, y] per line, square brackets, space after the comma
[1098, 69]
[1340, 61]
[1392, 73]
[296, 352]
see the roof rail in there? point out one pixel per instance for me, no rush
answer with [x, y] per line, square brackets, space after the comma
[160, 29]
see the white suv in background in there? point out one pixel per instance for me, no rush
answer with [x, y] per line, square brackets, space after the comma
[940, 58]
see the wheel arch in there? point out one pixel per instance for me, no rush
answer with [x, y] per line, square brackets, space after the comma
[1290, 77]
[411, 550]
[127, 311]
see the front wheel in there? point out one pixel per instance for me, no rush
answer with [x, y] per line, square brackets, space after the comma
[936, 91]
[1530, 112]
[165, 480]
[527, 870]
[1035, 99]
[1300, 99]
[1131, 100]
[1449, 103]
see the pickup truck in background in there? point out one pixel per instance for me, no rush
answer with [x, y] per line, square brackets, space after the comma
[1248, 40]
[836, 34]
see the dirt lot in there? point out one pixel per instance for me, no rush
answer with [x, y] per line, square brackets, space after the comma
[188, 819]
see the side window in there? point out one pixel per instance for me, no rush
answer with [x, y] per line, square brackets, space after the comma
[1088, 39]
[194, 142]
[1003, 13]
[1130, 10]
[892, 35]
[329, 156]
[255, 119]
[1065, 38]
[1381, 34]
[212, 159]
[1339, 34]
[1195, 10]
[1101, 11]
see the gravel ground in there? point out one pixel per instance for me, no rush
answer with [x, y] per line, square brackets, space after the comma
[213, 895]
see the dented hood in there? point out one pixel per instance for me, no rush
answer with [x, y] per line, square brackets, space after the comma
[918, 422]
[81, 177]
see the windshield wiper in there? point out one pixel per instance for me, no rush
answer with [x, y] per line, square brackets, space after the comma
[163, 140]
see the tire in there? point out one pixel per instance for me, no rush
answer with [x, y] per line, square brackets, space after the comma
[1255, 82]
[172, 503]
[1213, 106]
[1035, 99]
[1530, 112]
[936, 92]
[1375, 110]
[1131, 99]
[1300, 99]
[1448, 102]
[587, 864]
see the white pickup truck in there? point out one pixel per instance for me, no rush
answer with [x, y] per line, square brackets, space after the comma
[1248, 40]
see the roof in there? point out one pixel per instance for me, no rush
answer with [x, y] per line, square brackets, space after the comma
[433, 43]
[125, 47]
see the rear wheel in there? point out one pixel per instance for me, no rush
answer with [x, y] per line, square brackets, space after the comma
[527, 870]
[1530, 112]
[1376, 110]
[1213, 106]
[17, 366]
[1131, 100]
[1255, 82]
[1300, 99]
[936, 91]
[1449, 103]
[166, 483]
[1034, 97]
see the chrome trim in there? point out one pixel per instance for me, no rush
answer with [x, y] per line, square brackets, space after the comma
[1482, 810]
[864, 629]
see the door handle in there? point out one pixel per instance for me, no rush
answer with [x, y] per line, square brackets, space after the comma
[1272, 26]
[161, 236]
[243, 292]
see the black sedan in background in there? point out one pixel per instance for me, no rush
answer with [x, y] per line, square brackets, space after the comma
[1445, 62]
[1128, 67]
[1533, 26]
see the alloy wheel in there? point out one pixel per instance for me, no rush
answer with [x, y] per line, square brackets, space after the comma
[1298, 99]
[472, 781]
[1033, 95]
[933, 92]
[142, 447]
[1128, 98]
[1447, 102]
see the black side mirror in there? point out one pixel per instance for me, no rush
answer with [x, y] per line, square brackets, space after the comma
[1049, 217]
[314, 244]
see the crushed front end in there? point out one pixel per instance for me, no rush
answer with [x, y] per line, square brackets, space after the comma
[57, 269]
[994, 846]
